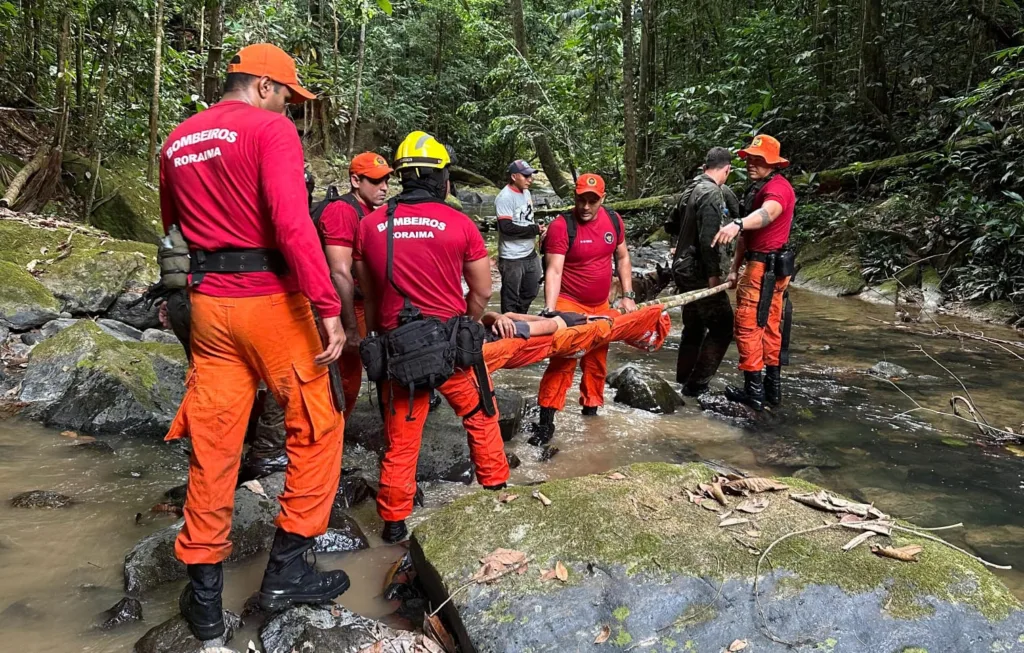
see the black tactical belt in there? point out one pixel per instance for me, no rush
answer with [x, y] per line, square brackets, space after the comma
[760, 257]
[238, 260]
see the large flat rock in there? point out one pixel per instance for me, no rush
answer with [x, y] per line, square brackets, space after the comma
[660, 574]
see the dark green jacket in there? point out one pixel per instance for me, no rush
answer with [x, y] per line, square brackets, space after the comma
[709, 205]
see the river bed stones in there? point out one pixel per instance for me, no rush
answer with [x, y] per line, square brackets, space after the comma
[649, 569]
[644, 390]
[25, 303]
[86, 380]
[41, 499]
[321, 628]
[124, 611]
[173, 636]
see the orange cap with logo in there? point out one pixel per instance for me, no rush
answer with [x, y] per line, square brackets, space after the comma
[590, 183]
[267, 60]
[767, 148]
[370, 165]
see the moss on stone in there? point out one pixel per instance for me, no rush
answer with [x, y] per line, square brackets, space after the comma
[19, 289]
[620, 613]
[127, 206]
[839, 275]
[623, 638]
[596, 519]
[930, 279]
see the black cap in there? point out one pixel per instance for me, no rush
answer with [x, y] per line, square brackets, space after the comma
[521, 167]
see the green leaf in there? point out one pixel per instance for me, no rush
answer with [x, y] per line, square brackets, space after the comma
[385, 6]
[9, 9]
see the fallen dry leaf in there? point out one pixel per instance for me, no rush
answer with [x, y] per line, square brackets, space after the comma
[755, 484]
[904, 553]
[434, 628]
[392, 572]
[694, 497]
[561, 572]
[734, 521]
[857, 541]
[848, 518]
[716, 491]
[255, 487]
[498, 563]
[603, 636]
[32, 265]
[880, 527]
[539, 496]
[753, 533]
[548, 574]
[616, 476]
[754, 506]
[829, 502]
[737, 645]
[507, 497]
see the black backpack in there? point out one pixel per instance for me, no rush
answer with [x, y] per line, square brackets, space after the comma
[571, 227]
[333, 196]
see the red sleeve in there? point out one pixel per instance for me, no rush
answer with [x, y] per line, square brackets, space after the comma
[557, 240]
[357, 249]
[166, 203]
[338, 224]
[777, 192]
[476, 249]
[284, 191]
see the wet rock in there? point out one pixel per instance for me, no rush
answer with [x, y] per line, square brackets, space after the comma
[41, 499]
[353, 490]
[31, 339]
[25, 303]
[95, 446]
[86, 380]
[125, 611]
[92, 279]
[120, 330]
[778, 451]
[511, 406]
[321, 628]
[53, 327]
[830, 267]
[4, 332]
[21, 611]
[176, 495]
[132, 309]
[644, 390]
[888, 370]
[811, 475]
[151, 561]
[160, 336]
[19, 349]
[513, 460]
[173, 636]
[720, 405]
[644, 578]
[343, 535]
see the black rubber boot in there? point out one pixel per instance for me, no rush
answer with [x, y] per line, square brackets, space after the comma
[752, 393]
[200, 602]
[495, 488]
[694, 389]
[394, 532]
[589, 411]
[544, 429]
[773, 385]
[291, 579]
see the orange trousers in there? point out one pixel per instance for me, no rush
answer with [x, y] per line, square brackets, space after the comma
[757, 346]
[404, 435]
[512, 353]
[557, 378]
[236, 342]
[645, 329]
[352, 365]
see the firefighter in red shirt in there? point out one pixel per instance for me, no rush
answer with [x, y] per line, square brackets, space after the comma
[411, 257]
[338, 225]
[579, 250]
[763, 311]
[231, 180]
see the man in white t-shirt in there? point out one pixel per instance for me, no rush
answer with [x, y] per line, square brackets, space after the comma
[518, 262]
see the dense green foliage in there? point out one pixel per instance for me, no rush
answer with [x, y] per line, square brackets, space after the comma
[838, 81]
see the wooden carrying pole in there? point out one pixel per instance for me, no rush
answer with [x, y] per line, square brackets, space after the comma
[685, 298]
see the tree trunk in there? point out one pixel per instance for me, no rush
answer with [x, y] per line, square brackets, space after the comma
[646, 77]
[825, 34]
[628, 90]
[872, 68]
[548, 162]
[211, 82]
[30, 168]
[96, 117]
[87, 205]
[360, 58]
[154, 106]
[79, 72]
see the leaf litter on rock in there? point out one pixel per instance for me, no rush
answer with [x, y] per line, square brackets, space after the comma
[561, 572]
[733, 521]
[434, 628]
[857, 541]
[255, 487]
[616, 476]
[754, 484]
[754, 506]
[907, 553]
[737, 645]
[498, 563]
[507, 497]
[603, 636]
[539, 496]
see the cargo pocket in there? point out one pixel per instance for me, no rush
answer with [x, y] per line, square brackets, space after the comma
[315, 391]
[179, 427]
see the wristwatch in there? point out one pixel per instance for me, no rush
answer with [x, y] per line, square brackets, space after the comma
[547, 312]
[629, 295]
[739, 223]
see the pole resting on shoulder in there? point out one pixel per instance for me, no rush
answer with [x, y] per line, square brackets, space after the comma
[684, 298]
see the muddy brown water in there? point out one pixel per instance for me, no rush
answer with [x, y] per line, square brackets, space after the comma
[59, 569]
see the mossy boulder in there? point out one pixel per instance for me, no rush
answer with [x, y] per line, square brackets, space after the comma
[24, 302]
[125, 205]
[85, 270]
[87, 380]
[644, 390]
[830, 267]
[658, 571]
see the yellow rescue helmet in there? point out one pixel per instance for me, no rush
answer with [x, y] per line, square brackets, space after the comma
[421, 150]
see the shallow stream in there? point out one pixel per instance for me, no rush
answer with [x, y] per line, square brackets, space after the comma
[61, 568]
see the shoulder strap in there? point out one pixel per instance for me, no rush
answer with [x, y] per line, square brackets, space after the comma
[570, 230]
[392, 206]
[350, 199]
[318, 210]
[614, 217]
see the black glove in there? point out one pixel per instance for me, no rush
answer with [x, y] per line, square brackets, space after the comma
[572, 319]
[547, 312]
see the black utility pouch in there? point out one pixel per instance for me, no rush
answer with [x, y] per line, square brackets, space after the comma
[469, 341]
[685, 269]
[372, 354]
[785, 264]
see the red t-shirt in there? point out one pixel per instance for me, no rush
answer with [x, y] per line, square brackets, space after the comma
[587, 272]
[232, 177]
[339, 226]
[775, 235]
[432, 243]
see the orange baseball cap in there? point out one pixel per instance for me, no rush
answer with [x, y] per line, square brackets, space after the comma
[267, 60]
[590, 183]
[767, 148]
[371, 165]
